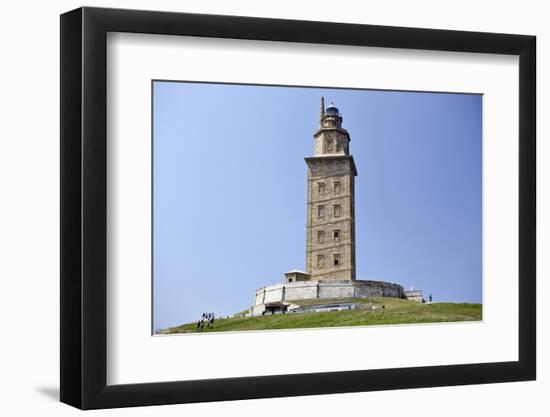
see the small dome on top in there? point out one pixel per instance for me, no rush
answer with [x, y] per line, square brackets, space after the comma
[332, 109]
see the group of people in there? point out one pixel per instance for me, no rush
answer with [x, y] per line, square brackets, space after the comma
[207, 320]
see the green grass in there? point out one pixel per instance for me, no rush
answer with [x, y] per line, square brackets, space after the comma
[397, 311]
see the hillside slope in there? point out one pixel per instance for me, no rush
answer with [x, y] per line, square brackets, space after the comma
[395, 311]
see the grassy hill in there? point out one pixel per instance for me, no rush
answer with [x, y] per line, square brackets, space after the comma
[396, 311]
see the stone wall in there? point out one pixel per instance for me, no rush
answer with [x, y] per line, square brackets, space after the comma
[336, 290]
[330, 242]
[414, 295]
[305, 290]
[366, 289]
[309, 290]
[274, 293]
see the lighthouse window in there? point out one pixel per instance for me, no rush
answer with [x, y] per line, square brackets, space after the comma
[321, 188]
[337, 235]
[320, 261]
[330, 145]
[321, 211]
[337, 259]
[337, 210]
[320, 236]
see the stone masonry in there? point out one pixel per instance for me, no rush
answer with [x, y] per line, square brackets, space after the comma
[330, 245]
[322, 290]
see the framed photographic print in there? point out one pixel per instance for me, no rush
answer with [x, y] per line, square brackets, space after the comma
[257, 208]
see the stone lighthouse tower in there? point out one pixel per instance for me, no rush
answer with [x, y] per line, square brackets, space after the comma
[330, 246]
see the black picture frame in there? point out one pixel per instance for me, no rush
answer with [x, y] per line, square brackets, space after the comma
[84, 207]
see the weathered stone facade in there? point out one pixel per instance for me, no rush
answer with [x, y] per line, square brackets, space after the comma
[330, 243]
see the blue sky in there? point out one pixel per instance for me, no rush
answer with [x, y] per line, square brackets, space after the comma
[230, 191]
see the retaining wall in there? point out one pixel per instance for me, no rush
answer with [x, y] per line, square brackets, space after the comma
[308, 290]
